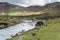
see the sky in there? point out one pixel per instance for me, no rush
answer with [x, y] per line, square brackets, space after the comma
[26, 3]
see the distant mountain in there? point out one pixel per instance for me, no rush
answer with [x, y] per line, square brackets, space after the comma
[4, 7]
[35, 8]
[7, 7]
[52, 6]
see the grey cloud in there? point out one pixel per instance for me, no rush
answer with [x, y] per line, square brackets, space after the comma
[29, 2]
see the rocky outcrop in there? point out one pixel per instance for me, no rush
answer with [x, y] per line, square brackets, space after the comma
[39, 23]
[3, 25]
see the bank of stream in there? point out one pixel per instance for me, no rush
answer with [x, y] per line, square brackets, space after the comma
[13, 30]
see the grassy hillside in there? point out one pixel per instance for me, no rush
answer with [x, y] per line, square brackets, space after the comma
[49, 31]
[21, 13]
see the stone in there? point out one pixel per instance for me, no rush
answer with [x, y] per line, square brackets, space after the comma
[2, 26]
[39, 23]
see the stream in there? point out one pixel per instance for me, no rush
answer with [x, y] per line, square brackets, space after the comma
[13, 30]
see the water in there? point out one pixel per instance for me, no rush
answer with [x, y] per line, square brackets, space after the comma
[11, 31]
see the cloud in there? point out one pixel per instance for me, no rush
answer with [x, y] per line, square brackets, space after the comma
[29, 2]
[24, 5]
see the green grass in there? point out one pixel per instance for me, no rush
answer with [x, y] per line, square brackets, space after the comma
[49, 31]
[21, 13]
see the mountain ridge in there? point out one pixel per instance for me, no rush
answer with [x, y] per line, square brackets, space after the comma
[7, 7]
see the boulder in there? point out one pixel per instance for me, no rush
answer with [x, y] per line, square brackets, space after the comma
[39, 23]
[3, 25]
